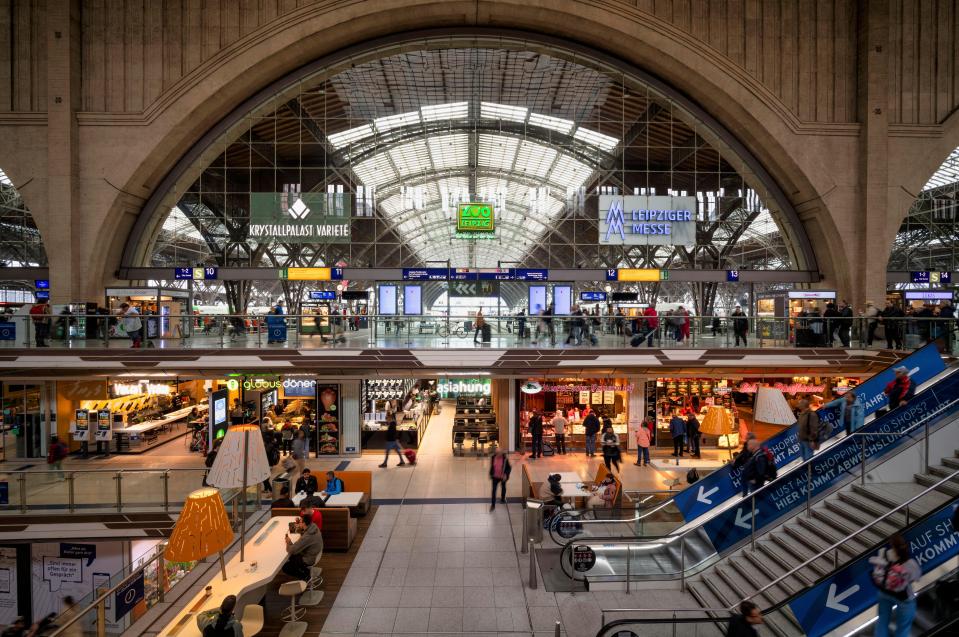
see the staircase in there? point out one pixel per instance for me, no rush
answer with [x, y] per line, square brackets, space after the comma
[747, 570]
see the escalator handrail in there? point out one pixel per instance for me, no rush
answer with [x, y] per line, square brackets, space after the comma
[668, 539]
[775, 607]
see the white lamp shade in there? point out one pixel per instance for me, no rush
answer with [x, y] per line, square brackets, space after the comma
[227, 469]
[772, 408]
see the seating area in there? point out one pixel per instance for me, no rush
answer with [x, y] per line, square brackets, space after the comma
[474, 427]
[339, 527]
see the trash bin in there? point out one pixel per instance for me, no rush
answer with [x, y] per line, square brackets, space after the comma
[282, 480]
[534, 521]
[486, 333]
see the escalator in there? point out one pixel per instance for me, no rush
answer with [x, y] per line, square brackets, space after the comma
[721, 488]
[839, 507]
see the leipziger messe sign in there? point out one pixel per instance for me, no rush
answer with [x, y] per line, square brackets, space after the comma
[295, 217]
[647, 220]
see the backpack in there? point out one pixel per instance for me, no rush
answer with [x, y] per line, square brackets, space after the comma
[692, 476]
[771, 473]
[892, 578]
[38, 313]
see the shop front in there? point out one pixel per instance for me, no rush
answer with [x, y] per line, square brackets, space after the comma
[407, 401]
[575, 398]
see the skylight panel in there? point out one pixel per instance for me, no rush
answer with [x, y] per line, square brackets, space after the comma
[375, 171]
[4, 179]
[594, 138]
[497, 151]
[534, 159]
[569, 172]
[411, 158]
[560, 125]
[383, 124]
[489, 110]
[948, 173]
[449, 151]
[454, 110]
[344, 138]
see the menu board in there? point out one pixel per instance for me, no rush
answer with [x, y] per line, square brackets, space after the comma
[597, 398]
[328, 420]
[609, 397]
[584, 397]
[104, 425]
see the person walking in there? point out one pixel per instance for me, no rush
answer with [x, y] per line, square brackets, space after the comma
[499, 470]
[740, 325]
[652, 324]
[871, 317]
[478, 326]
[677, 429]
[591, 428]
[536, 435]
[893, 320]
[611, 452]
[55, 456]
[132, 324]
[40, 315]
[844, 323]
[894, 571]
[901, 389]
[559, 427]
[69, 612]
[392, 442]
[947, 323]
[643, 439]
[741, 459]
[743, 623]
[298, 454]
[808, 421]
[852, 412]
[692, 435]
[576, 324]
[759, 468]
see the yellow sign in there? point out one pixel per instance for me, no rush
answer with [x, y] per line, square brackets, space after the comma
[640, 274]
[308, 274]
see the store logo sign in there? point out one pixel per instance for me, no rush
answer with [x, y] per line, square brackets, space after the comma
[142, 387]
[299, 209]
[294, 217]
[647, 220]
[475, 221]
[466, 387]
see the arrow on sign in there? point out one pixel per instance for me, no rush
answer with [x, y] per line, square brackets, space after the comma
[463, 288]
[742, 519]
[834, 601]
[703, 495]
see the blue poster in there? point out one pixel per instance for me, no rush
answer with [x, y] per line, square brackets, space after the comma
[830, 467]
[725, 483]
[850, 591]
[128, 596]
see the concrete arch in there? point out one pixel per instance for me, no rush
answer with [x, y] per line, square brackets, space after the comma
[198, 104]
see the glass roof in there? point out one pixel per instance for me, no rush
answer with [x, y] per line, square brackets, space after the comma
[948, 172]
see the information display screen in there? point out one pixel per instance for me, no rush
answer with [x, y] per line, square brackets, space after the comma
[387, 300]
[562, 300]
[537, 299]
[412, 300]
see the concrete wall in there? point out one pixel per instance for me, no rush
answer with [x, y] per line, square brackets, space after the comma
[849, 104]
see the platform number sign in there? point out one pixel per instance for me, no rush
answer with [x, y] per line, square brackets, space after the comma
[584, 558]
[732, 276]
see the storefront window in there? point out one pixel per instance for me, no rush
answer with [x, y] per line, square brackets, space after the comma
[575, 399]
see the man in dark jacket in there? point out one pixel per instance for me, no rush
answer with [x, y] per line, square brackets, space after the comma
[893, 320]
[307, 483]
[536, 434]
[677, 429]
[591, 427]
[808, 421]
[692, 435]
[947, 323]
[756, 469]
[844, 322]
[742, 458]
[744, 623]
[284, 501]
[832, 323]
[740, 325]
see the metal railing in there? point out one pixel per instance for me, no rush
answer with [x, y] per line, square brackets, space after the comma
[834, 549]
[655, 542]
[157, 595]
[430, 330]
[118, 490]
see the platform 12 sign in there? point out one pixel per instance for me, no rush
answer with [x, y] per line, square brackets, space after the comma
[647, 220]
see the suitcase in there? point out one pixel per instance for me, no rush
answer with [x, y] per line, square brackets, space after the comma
[637, 340]
[486, 333]
[410, 455]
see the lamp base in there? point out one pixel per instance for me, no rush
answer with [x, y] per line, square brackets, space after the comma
[222, 566]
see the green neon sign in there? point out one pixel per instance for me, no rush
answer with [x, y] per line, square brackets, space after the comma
[475, 217]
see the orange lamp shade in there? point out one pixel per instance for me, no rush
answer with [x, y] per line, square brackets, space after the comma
[202, 529]
[718, 422]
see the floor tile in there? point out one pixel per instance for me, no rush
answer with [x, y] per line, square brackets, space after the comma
[386, 597]
[446, 620]
[377, 620]
[448, 597]
[352, 596]
[410, 620]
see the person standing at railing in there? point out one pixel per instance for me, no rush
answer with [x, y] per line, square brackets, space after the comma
[652, 324]
[40, 314]
[844, 322]
[894, 571]
[871, 317]
[743, 624]
[893, 321]
[132, 324]
[808, 421]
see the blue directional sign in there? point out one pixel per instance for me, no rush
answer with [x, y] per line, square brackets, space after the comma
[210, 273]
[425, 274]
[322, 295]
[930, 277]
[612, 275]
[829, 468]
[42, 295]
[592, 297]
[525, 274]
[463, 274]
[732, 276]
[850, 591]
[183, 274]
[495, 274]
[41, 284]
[726, 482]
[336, 274]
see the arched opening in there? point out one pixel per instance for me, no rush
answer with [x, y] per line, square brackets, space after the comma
[21, 245]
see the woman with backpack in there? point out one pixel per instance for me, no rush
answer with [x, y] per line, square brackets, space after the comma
[894, 571]
[222, 622]
[611, 452]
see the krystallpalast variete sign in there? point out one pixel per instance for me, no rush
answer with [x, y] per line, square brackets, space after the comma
[309, 217]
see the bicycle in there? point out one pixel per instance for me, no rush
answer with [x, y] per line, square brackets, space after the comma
[458, 330]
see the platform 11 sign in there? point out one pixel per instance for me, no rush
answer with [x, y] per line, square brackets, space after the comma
[647, 220]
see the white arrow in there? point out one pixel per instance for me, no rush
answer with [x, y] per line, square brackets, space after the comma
[703, 496]
[742, 519]
[834, 601]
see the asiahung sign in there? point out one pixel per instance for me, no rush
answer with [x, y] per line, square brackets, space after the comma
[647, 220]
[294, 217]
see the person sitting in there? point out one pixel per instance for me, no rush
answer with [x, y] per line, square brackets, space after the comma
[312, 510]
[333, 484]
[303, 552]
[605, 493]
[284, 501]
[222, 622]
[307, 483]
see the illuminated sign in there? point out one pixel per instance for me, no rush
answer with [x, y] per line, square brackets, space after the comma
[311, 274]
[290, 385]
[142, 387]
[812, 294]
[41, 284]
[928, 296]
[300, 217]
[647, 220]
[323, 295]
[566, 389]
[934, 278]
[475, 217]
[448, 388]
[425, 274]
[634, 275]
[592, 296]
[524, 274]
[732, 276]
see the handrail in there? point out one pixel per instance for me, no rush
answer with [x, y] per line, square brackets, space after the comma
[95, 604]
[669, 539]
[799, 567]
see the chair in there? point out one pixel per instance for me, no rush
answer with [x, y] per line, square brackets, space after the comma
[483, 439]
[291, 590]
[313, 595]
[252, 620]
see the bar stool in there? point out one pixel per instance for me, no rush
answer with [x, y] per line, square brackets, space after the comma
[252, 621]
[313, 595]
[482, 443]
[291, 590]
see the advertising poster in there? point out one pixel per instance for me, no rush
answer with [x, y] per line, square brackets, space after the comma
[74, 569]
[104, 425]
[82, 429]
[218, 415]
[328, 420]
[584, 397]
[8, 586]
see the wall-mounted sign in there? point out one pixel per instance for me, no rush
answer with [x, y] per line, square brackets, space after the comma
[813, 294]
[473, 288]
[322, 295]
[647, 220]
[584, 558]
[634, 275]
[526, 274]
[451, 388]
[41, 284]
[475, 217]
[311, 274]
[425, 274]
[142, 387]
[732, 276]
[568, 389]
[196, 274]
[291, 386]
[592, 297]
[43, 295]
[912, 295]
[300, 217]
[934, 278]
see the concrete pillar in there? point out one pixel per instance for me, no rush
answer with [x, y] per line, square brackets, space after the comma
[65, 232]
[869, 275]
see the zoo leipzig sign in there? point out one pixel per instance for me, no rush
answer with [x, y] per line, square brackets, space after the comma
[300, 217]
[647, 220]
